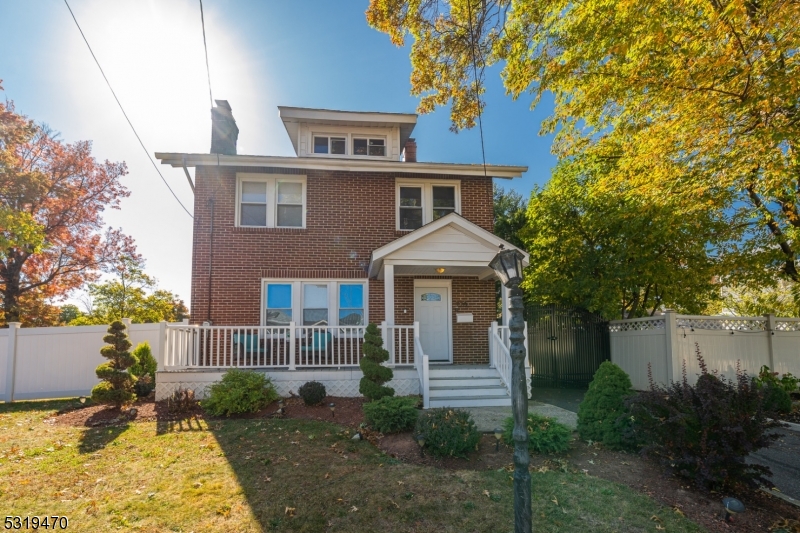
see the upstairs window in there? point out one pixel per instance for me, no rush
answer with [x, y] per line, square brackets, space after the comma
[270, 201]
[420, 202]
[330, 145]
[367, 146]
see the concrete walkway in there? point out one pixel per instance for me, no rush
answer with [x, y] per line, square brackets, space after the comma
[488, 418]
[783, 458]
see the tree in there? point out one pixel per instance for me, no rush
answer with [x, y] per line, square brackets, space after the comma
[620, 253]
[509, 215]
[52, 195]
[375, 375]
[688, 96]
[116, 387]
[780, 299]
[130, 294]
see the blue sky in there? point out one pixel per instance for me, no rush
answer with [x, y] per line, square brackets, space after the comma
[262, 54]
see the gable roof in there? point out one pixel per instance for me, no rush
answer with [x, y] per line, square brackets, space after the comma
[452, 242]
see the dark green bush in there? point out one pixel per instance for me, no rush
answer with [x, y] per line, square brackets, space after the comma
[240, 391]
[602, 416]
[117, 385]
[312, 392]
[391, 414]
[704, 432]
[144, 370]
[375, 375]
[448, 432]
[776, 391]
[545, 434]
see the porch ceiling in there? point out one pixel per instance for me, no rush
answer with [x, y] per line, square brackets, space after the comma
[451, 242]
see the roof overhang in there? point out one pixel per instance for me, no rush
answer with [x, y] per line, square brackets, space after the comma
[292, 117]
[179, 160]
[452, 242]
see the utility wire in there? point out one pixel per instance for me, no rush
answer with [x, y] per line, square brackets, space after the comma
[205, 46]
[123, 110]
[477, 83]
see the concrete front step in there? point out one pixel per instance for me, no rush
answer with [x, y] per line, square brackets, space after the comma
[471, 401]
[466, 382]
[473, 390]
[457, 371]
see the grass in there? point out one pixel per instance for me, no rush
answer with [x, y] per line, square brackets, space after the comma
[277, 475]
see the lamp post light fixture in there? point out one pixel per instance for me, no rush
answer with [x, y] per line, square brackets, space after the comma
[507, 265]
[732, 506]
[421, 441]
[498, 434]
[332, 407]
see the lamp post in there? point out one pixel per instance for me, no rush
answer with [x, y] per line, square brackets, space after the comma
[507, 264]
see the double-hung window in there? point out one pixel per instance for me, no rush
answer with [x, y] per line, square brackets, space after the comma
[369, 146]
[329, 145]
[270, 201]
[279, 304]
[420, 202]
[351, 304]
[315, 302]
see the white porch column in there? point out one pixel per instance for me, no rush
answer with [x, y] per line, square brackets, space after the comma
[388, 293]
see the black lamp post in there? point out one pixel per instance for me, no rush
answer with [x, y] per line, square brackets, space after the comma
[507, 264]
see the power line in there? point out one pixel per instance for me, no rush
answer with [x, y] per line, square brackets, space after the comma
[123, 110]
[477, 83]
[205, 46]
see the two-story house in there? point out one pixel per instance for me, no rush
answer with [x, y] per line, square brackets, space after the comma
[294, 256]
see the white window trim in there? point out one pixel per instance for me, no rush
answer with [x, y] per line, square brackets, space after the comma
[349, 135]
[329, 136]
[272, 196]
[297, 297]
[427, 197]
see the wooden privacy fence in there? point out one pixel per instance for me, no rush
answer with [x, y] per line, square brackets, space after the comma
[669, 341]
[59, 362]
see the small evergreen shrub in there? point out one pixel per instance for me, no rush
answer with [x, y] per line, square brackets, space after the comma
[704, 432]
[144, 370]
[545, 434]
[375, 375]
[239, 391]
[602, 415]
[312, 392]
[448, 432]
[391, 414]
[776, 390]
[182, 401]
[117, 385]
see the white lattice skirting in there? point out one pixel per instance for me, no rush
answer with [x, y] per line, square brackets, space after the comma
[342, 383]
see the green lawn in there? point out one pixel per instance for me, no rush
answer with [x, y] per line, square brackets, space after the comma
[277, 475]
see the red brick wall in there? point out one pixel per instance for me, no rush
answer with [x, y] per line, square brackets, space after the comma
[349, 214]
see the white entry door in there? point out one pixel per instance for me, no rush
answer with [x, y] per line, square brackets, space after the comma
[432, 311]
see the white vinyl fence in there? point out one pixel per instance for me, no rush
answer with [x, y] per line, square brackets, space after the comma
[669, 341]
[59, 362]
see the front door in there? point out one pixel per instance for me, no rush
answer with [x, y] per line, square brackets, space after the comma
[432, 311]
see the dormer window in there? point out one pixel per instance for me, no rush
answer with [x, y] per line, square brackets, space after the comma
[329, 145]
[374, 147]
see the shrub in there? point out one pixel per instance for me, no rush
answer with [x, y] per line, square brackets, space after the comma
[181, 401]
[776, 391]
[375, 375]
[391, 414]
[117, 385]
[312, 392]
[545, 434]
[144, 369]
[239, 391]
[448, 432]
[602, 415]
[703, 432]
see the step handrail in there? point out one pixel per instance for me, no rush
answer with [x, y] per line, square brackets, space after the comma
[500, 354]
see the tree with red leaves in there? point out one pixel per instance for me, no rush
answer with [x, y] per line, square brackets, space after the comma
[52, 195]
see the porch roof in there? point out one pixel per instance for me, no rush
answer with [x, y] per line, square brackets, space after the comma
[451, 242]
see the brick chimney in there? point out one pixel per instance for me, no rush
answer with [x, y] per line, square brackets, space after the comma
[410, 151]
[224, 132]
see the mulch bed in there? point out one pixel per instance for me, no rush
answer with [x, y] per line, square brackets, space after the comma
[764, 513]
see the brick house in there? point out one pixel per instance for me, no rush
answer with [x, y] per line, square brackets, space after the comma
[294, 256]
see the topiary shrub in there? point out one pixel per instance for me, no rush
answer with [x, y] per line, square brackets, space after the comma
[375, 375]
[602, 415]
[239, 391]
[312, 392]
[705, 431]
[117, 385]
[391, 414]
[448, 432]
[545, 434]
[144, 370]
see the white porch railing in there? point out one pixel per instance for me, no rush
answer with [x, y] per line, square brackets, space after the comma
[500, 355]
[399, 341]
[423, 369]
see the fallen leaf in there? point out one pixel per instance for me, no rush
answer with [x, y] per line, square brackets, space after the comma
[268, 479]
[327, 475]
[289, 511]
[554, 500]
[654, 518]
[353, 509]
[486, 493]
